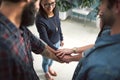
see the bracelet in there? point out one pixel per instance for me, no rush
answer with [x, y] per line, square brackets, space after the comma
[74, 50]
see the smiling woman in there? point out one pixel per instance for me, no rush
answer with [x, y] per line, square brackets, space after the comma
[49, 28]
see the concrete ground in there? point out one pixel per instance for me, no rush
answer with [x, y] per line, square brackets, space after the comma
[75, 34]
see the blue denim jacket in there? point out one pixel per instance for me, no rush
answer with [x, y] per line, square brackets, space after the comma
[102, 62]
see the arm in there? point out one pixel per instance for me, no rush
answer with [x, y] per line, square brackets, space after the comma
[38, 46]
[50, 53]
[82, 49]
[69, 58]
[76, 50]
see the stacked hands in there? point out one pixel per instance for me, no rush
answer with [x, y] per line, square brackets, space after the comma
[74, 54]
[67, 55]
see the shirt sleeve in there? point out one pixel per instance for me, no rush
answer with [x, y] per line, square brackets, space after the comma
[37, 45]
[43, 33]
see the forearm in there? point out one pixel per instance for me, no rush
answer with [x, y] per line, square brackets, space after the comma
[70, 58]
[82, 49]
[76, 57]
[50, 53]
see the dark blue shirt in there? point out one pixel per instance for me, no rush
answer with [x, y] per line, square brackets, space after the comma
[49, 29]
[16, 61]
[102, 61]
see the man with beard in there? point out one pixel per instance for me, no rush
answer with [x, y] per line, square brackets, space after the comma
[17, 42]
[101, 62]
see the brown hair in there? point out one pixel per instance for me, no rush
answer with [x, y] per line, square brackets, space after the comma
[0, 2]
[15, 1]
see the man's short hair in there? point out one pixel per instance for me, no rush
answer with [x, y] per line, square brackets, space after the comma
[0, 2]
[15, 1]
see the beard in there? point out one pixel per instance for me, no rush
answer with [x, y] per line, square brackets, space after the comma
[28, 15]
[108, 19]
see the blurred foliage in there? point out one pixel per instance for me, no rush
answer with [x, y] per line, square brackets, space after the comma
[83, 3]
[63, 5]
[86, 3]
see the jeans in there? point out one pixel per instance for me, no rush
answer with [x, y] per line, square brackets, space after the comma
[48, 62]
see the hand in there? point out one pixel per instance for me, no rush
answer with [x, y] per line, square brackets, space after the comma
[67, 58]
[62, 52]
[50, 53]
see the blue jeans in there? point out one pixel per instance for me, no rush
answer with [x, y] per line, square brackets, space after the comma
[48, 62]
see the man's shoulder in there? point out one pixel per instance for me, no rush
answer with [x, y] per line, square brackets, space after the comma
[3, 45]
[6, 37]
[5, 48]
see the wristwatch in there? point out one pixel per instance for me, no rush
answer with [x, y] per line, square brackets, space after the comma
[74, 50]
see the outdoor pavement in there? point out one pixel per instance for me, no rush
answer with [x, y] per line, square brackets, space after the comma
[75, 34]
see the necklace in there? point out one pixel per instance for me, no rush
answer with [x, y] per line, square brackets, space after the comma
[56, 27]
[53, 16]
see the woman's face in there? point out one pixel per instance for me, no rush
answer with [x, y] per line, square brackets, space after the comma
[48, 5]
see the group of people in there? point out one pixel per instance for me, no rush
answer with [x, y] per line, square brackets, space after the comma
[99, 61]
